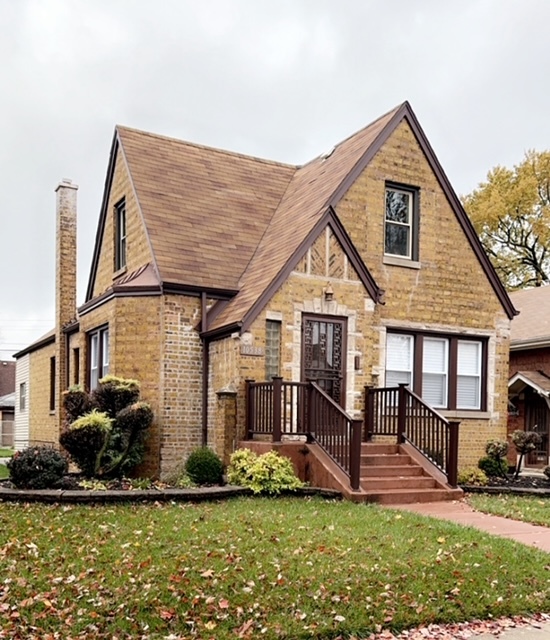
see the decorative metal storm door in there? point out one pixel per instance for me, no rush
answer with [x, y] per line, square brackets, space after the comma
[323, 354]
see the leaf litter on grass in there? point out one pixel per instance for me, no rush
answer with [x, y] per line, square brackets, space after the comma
[246, 568]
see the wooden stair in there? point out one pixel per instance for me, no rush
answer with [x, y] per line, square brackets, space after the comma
[391, 476]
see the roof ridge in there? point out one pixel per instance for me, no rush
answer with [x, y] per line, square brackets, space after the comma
[206, 147]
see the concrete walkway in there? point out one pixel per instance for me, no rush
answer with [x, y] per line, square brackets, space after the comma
[529, 534]
[461, 513]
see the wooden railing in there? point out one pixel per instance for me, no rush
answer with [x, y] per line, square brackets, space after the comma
[303, 408]
[401, 413]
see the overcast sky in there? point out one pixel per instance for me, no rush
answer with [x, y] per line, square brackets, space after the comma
[282, 79]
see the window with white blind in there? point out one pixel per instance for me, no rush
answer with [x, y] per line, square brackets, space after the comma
[98, 344]
[447, 372]
[468, 378]
[399, 360]
[435, 368]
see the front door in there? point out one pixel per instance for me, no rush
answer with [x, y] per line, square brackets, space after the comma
[324, 354]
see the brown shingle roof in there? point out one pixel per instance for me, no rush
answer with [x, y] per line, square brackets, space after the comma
[205, 209]
[532, 326]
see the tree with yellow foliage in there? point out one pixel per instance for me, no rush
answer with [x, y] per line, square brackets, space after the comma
[511, 214]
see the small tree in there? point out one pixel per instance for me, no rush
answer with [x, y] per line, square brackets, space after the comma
[497, 450]
[105, 430]
[525, 442]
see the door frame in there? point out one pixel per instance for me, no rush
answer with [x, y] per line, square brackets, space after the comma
[319, 317]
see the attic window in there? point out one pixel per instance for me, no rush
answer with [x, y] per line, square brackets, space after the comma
[401, 222]
[120, 235]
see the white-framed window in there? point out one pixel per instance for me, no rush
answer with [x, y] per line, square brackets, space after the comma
[468, 377]
[435, 371]
[98, 344]
[399, 227]
[23, 396]
[446, 371]
[399, 359]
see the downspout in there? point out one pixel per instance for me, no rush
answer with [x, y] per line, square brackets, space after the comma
[205, 367]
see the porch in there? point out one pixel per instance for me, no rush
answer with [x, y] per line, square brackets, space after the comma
[403, 451]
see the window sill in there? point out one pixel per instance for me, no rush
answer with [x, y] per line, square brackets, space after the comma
[119, 273]
[395, 261]
[465, 414]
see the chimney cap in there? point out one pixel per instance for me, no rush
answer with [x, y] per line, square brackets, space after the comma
[66, 183]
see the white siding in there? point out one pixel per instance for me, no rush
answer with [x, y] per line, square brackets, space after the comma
[21, 435]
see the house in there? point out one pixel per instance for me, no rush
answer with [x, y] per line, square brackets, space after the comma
[7, 387]
[529, 384]
[215, 273]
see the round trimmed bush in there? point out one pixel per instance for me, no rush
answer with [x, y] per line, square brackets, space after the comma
[203, 466]
[37, 468]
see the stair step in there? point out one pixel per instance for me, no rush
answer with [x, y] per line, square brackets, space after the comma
[408, 483]
[410, 496]
[386, 459]
[370, 448]
[393, 470]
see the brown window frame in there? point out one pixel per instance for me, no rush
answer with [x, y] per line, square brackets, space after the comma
[452, 366]
[120, 235]
[414, 193]
[102, 370]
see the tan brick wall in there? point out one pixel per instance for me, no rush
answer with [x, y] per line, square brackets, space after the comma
[448, 292]
[138, 251]
[181, 403]
[42, 423]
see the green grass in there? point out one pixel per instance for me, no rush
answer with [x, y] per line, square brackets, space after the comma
[533, 509]
[250, 568]
[6, 453]
[4, 473]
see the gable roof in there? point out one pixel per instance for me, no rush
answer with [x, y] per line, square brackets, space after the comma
[537, 380]
[223, 221]
[531, 328]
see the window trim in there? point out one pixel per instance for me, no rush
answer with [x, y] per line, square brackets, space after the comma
[120, 238]
[23, 396]
[52, 384]
[414, 193]
[97, 334]
[452, 374]
[274, 323]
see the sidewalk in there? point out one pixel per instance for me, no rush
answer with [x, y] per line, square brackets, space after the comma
[529, 534]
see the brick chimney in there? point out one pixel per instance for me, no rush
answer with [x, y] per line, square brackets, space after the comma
[65, 284]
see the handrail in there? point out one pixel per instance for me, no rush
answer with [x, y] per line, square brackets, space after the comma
[398, 411]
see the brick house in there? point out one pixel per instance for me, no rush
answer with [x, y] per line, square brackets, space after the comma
[529, 384]
[7, 388]
[358, 269]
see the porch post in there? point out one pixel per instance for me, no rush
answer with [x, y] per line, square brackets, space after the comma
[369, 413]
[250, 407]
[355, 454]
[277, 399]
[401, 412]
[452, 463]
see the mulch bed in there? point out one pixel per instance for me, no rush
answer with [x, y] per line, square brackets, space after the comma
[524, 485]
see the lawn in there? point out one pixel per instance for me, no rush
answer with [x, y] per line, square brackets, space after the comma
[4, 473]
[247, 567]
[6, 453]
[532, 509]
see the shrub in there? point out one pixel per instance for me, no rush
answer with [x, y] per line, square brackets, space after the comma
[496, 449]
[114, 394]
[203, 466]
[492, 467]
[524, 441]
[37, 468]
[86, 440]
[177, 477]
[269, 473]
[76, 403]
[108, 440]
[546, 472]
[471, 475]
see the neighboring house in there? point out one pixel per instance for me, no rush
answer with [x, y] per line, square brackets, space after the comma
[359, 268]
[7, 409]
[529, 385]
[7, 387]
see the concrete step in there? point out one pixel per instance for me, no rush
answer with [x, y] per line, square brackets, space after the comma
[410, 483]
[378, 448]
[409, 496]
[398, 470]
[389, 459]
